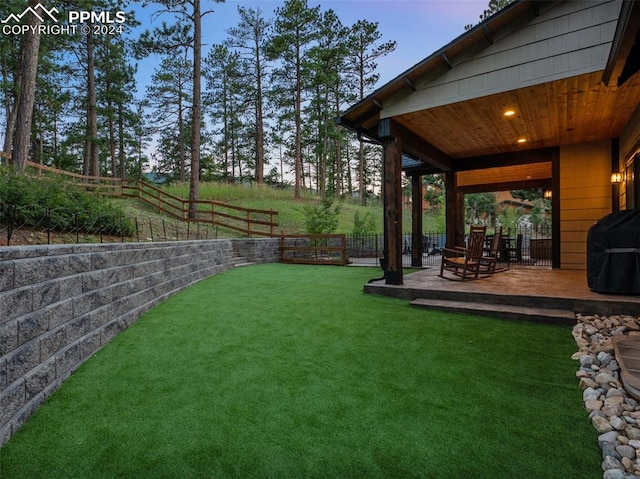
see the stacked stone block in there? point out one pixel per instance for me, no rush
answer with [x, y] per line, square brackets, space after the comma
[59, 304]
[258, 250]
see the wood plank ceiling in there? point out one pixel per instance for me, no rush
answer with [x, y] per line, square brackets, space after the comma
[573, 110]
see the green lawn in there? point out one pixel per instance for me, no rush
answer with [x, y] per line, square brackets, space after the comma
[284, 371]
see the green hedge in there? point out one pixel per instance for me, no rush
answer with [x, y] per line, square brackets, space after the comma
[58, 205]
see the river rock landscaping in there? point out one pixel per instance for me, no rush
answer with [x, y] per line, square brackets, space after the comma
[612, 410]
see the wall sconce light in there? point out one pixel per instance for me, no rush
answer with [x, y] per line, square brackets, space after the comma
[548, 194]
[616, 178]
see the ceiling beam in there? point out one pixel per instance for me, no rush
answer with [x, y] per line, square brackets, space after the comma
[414, 145]
[487, 34]
[353, 126]
[409, 83]
[506, 186]
[422, 170]
[504, 159]
[446, 60]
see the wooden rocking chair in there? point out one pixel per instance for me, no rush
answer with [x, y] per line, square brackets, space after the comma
[489, 260]
[465, 262]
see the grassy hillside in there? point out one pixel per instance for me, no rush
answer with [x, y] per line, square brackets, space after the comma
[291, 214]
[146, 222]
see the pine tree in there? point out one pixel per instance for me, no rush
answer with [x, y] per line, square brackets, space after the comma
[115, 81]
[327, 62]
[225, 104]
[365, 49]
[169, 97]
[26, 98]
[294, 33]
[190, 11]
[248, 38]
[10, 74]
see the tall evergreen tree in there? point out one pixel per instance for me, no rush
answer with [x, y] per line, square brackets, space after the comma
[191, 12]
[91, 165]
[225, 84]
[169, 97]
[52, 107]
[249, 38]
[365, 49]
[115, 81]
[24, 107]
[10, 73]
[327, 62]
[101, 80]
[294, 33]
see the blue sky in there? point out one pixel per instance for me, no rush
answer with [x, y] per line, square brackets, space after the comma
[419, 27]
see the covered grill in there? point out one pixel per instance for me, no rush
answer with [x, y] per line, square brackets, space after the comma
[613, 253]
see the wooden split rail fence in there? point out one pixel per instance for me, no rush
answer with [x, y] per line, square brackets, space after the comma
[313, 249]
[250, 222]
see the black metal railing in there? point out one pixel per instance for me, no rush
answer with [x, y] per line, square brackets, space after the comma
[525, 246]
[35, 224]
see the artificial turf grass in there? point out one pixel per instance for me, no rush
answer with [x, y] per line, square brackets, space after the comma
[291, 371]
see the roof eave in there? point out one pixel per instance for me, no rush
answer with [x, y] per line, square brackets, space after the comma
[369, 107]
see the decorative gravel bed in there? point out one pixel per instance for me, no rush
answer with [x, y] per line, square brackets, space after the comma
[612, 411]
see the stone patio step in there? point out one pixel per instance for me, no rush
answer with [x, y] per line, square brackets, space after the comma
[243, 263]
[501, 311]
[240, 261]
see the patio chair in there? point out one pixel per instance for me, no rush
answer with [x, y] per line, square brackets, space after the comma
[465, 262]
[489, 259]
[514, 253]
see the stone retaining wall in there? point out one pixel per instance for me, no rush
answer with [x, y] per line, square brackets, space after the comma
[59, 304]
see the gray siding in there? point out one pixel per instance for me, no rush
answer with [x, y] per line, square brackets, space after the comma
[567, 39]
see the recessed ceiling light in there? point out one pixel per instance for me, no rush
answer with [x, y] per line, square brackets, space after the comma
[509, 113]
[522, 140]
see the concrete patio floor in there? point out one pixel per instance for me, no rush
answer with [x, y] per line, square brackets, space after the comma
[524, 287]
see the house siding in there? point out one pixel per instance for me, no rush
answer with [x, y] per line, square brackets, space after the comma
[585, 197]
[629, 146]
[630, 138]
[566, 39]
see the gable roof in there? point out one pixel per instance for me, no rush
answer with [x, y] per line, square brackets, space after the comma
[544, 60]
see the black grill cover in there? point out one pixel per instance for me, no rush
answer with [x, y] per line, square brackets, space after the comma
[613, 253]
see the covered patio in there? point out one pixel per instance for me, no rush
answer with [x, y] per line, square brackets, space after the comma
[540, 294]
[539, 95]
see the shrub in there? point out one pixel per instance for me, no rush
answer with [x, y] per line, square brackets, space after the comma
[323, 217]
[59, 206]
[365, 224]
[509, 218]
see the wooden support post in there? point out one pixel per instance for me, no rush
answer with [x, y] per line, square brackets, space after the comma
[556, 253]
[392, 192]
[416, 221]
[615, 168]
[460, 233]
[455, 211]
